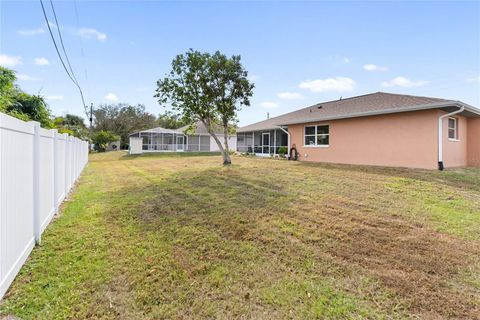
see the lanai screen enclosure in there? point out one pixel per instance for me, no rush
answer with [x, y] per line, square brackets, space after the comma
[262, 143]
[160, 139]
[175, 140]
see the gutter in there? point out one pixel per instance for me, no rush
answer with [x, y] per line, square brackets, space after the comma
[440, 135]
[288, 135]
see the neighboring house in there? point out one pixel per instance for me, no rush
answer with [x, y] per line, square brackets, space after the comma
[176, 140]
[381, 129]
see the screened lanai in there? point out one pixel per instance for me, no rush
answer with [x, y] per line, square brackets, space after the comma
[161, 139]
[265, 142]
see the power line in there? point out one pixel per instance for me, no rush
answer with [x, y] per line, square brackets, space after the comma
[61, 59]
[55, 43]
[61, 41]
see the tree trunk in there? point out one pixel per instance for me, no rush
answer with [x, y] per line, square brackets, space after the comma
[225, 154]
[226, 158]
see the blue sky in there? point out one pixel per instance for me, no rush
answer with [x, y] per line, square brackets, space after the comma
[297, 53]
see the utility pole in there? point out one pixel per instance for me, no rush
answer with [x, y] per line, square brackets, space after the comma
[91, 118]
[91, 125]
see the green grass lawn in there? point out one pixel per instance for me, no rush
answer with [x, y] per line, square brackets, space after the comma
[182, 237]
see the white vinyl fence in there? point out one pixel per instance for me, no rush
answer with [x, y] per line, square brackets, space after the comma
[37, 169]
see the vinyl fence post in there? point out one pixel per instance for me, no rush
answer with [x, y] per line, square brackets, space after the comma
[76, 159]
[36, 181]
[74, 162]
[67, 160]
[55, 171]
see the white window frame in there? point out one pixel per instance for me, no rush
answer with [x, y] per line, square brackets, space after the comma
[316, 136]
[455, 129]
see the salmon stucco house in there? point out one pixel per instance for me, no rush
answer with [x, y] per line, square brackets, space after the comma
[380, 129]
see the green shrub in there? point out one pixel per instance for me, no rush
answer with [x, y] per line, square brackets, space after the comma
[102, 139]
[282, 151]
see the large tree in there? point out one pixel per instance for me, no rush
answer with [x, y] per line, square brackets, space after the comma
[34, 106]
[170, 120]
[19, 104]
[7, 88]
[73, 125]
[122, 120]
[231, 90]
[207, 88]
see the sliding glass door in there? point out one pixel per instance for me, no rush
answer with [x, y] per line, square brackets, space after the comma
[266, 142]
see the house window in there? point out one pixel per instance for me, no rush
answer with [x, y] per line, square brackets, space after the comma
[317, 135]
[453, 128]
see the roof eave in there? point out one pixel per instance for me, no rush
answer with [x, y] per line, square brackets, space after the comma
[469, 108]
[390, 111]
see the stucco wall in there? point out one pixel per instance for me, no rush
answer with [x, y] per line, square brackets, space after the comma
[455, 151]
[407, 139]
[473, 142]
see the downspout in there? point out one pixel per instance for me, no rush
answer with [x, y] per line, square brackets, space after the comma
[288, 135]
[440, 135]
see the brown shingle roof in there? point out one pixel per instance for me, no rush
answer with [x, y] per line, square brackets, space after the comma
[369, 104]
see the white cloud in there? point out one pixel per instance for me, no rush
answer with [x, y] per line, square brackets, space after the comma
[374, 67]
[111, 97]
[269, 105]
[252, 77]
[41, 61]
[403, 82]
[339, 84]
[31, 32]
[26, 77]
[88, 33]
[10, 61]
[346, 60]
[290, 95]
[473, 79]
[53, 97]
